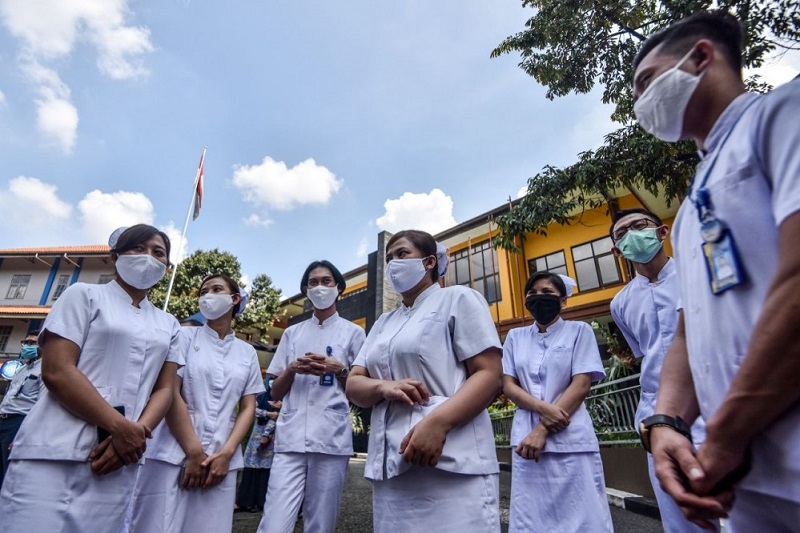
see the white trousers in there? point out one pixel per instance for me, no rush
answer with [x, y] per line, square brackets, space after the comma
[671, 516]
[756, 512]
[563, 492]
[314, 480]
[159, 505]
[429, 500]
[63, 496]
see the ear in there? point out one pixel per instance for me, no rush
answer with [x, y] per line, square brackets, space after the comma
[236, 298]
[704, 55]
[663, 232]
[430, 262]
[615, 251]
[114, 257]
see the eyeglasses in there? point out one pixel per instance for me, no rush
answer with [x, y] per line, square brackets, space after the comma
[636, 225]
[326, 281]
[27, 342]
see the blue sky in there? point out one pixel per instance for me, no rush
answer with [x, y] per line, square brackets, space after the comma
[325, 122]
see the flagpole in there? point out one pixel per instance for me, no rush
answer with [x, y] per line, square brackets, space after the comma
[185, 227]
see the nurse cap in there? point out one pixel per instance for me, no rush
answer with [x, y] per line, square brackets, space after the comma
[114, 237]
[569, 283]
[442, 258]
[243, 303]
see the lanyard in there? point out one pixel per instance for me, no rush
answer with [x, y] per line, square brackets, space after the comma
[702, 200]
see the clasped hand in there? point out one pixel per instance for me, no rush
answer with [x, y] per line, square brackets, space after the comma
[125, 446]
[553, 417]
[315, 364]
[532, 445]
[694, 479]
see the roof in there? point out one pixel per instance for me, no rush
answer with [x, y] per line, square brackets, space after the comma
[91, 249]
[24, 311]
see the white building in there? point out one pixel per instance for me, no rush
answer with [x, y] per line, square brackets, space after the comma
[31, 279]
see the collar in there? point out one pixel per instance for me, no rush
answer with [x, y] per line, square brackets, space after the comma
[421, 297]
[117, 289]
[327, 322]
[213, 334]
[553, 328]
[667, 270]
[725, 122]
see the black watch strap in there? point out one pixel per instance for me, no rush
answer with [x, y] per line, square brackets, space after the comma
[677, 424]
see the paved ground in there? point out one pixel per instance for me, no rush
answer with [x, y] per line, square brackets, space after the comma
[356, 513]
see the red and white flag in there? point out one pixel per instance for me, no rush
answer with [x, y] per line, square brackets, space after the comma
[198, 188]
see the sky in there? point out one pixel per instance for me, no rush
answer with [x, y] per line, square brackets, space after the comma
[325, 122]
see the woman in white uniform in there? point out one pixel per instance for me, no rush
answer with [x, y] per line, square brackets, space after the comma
[556, 475]
[429, 369]
[109, 359]
[188, 481]
[313, 436]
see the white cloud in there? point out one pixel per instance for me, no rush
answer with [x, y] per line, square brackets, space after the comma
[49, 30]
[34, 192]
[101, 213]
[56, 116]
[778, 70]
[273, 184]
[361, 251]
[256, 221]
[522, 191]
[33, 208]
[178, 248]
[431, 212]
[2, 99]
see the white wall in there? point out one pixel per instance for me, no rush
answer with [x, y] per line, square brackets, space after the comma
[91, 271]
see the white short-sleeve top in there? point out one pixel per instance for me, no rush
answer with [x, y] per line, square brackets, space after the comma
[218, 373]
[430, 342]
[122, 350]
[315, 418]
[754, 187]
[24, 390]
[544, 364]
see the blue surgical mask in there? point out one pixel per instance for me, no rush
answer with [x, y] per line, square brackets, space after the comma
[29, 352]
[640, 246]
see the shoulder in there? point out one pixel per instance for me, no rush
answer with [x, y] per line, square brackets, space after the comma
[578, 326]
[461, 295]
[619, 299]
[244, 347]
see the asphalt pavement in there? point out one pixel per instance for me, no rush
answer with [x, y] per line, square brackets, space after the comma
[355, 515]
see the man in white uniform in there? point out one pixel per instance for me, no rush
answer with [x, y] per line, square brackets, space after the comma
[736, 354]
[646, 311]
[313, 436]
[21, 395]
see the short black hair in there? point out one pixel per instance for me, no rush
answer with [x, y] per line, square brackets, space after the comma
[555, 279]
[718, 26]
[232, 286]
[422, 241]
[622, 213]
[136, 235]
[33, 332]
[337, 276]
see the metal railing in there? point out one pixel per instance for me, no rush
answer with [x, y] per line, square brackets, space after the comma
[612, 406]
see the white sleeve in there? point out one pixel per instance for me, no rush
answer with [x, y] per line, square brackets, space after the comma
[471, 325]
[586, 355]
[281, 358]
[356, 342]
[71, 315]
[779, 138]
[633, 342]
[509, 366]
[178, 344]
[255, 384]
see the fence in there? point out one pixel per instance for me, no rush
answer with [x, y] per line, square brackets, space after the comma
[611, 405]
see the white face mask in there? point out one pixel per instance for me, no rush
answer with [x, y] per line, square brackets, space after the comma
[215, 305]
[405, 274]
[322, 297]
[140, 270]
[661, 107]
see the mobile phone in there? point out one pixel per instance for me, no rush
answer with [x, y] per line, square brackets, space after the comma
[102, 433]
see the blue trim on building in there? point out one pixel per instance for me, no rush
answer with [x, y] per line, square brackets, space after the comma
[77, 272]
[49, 285]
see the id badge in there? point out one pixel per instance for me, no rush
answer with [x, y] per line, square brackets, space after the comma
[722, 262]
[326, 380]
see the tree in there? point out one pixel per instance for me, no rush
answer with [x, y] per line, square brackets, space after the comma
[571, 45]
[262, 305]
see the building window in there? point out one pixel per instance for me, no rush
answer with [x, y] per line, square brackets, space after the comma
[476, 267]
[595, 265]
[105, 278]
[19, 285]
[5, 333]
[61, 286]
[555, 263]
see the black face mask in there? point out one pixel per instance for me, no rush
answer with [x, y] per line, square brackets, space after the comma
[543, 307]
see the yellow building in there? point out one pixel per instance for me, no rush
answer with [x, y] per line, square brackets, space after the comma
[581, 250]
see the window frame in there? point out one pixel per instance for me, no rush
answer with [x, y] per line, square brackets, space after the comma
[16, 286]
[61, 286]
[469, 254]
[532, 263]
[595, 260]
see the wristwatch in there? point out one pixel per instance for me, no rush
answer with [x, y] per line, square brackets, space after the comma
[343, 372]
[678, 424]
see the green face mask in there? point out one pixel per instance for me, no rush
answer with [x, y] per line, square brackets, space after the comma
[640, 246]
